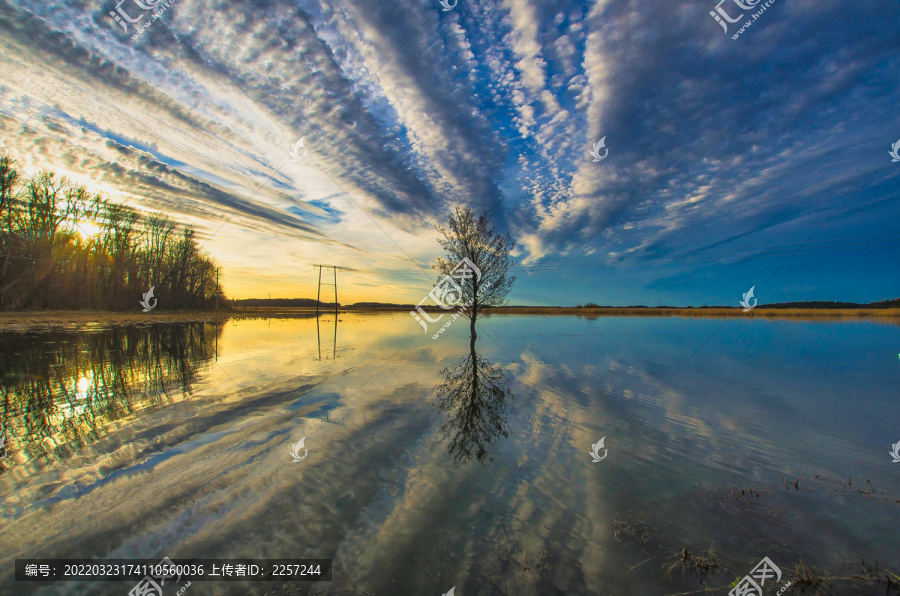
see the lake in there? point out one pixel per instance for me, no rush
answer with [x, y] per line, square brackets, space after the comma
[425, 466]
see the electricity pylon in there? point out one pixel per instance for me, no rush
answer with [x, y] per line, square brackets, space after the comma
[319, 289]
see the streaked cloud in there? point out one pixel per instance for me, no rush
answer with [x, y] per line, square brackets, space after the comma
[407, 111]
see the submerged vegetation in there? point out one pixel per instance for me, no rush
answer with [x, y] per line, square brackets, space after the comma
[64, 248]
[716, 569]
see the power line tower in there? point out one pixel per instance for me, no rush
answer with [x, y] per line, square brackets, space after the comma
[319, 290]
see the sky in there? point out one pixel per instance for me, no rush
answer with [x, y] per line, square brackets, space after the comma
[636, 151]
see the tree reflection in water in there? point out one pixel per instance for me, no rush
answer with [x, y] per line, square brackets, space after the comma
[60, 390]
[474, 393]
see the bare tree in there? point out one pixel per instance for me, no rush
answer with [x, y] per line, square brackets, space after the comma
[46, 209]
[159, 229]
[476, 239]
[62, 247]
[9, 178]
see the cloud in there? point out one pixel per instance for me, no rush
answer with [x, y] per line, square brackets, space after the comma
[408, 111]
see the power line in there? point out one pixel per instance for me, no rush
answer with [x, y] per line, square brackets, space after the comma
[692, 257]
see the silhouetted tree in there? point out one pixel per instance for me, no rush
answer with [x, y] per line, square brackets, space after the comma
[9, 178]
[65, 248]
[476, 239]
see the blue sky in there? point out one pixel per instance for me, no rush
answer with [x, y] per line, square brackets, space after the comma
[757, 161]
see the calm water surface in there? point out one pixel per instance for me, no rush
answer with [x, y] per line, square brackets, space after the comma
[431, 467]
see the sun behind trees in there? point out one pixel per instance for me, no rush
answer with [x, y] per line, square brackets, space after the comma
[63, 248]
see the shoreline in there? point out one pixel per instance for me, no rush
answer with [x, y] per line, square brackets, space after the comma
[88, 320]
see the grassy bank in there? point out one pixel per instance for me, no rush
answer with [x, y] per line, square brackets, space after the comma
[86, 319]
[75, 320]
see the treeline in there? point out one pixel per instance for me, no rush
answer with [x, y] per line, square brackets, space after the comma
[828, 304]
[817, 304]
[63, 248]
[278, 302]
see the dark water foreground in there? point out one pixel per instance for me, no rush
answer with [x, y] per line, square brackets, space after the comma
[431, 467]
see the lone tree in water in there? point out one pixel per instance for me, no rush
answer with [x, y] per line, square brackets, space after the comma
[476, 239]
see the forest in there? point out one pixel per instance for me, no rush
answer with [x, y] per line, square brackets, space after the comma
[65, 248]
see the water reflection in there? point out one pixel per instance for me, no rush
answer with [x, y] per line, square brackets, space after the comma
[474, 394]
[60, 391]
[334, 339]
[212, 476]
